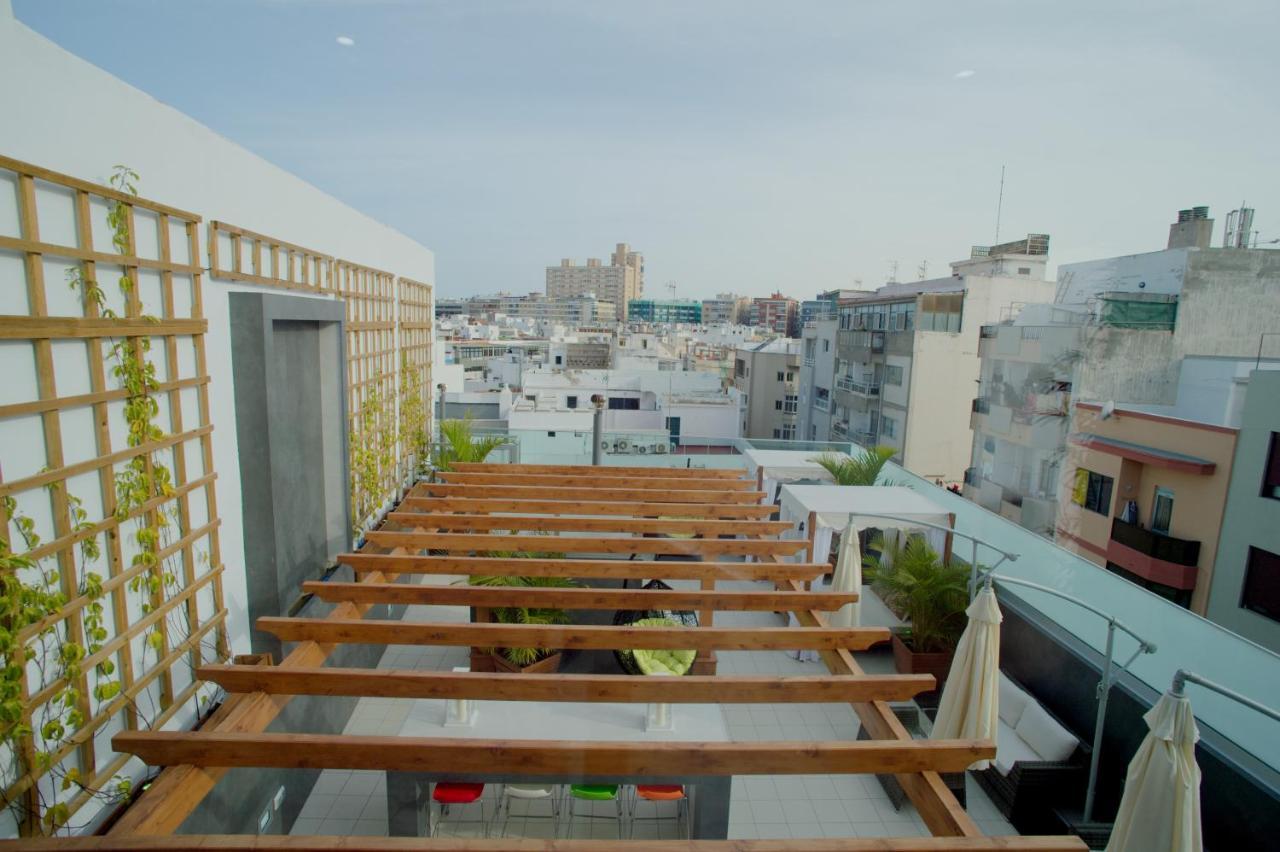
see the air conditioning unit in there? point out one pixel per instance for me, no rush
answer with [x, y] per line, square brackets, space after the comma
[604, 445]
[641, 449]
[622, 446]
[659, 448]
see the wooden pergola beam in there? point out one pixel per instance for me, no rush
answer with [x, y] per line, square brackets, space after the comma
[650, 481]
[579, 598]
[604, 471]
[549, 757]
[687, 526]
[451, 489]
[320, 843]
[467, 542]
[503, 686]
[612, 569]
[629, 509]
[568, 636]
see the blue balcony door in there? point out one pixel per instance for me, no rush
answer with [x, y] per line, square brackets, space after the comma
[1162, 511]
[673, 426]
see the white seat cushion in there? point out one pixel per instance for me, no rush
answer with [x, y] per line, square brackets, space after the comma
[1040, 731]
[527, 791]
[1012, 701]
[1010, 748]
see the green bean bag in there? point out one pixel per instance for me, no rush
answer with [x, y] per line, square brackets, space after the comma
[662, 662]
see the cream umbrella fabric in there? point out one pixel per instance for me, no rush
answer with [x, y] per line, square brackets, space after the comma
[1160, 809]
[848, 578]
[969, 707]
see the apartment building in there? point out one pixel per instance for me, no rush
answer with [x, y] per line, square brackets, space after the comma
[619, 282]
[726, 309]
[669, 311]
[778, 314]
[566, 310]
[1244, 591]
[766, 377]
[817, 372]
[907, 355]
[1147, 330]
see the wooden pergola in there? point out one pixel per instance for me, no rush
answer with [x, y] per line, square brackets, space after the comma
[455, 525]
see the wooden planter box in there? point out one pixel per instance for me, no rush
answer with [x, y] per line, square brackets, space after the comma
[907, 661]
[546, 665]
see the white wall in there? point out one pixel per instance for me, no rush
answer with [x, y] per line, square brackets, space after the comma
[72, 117]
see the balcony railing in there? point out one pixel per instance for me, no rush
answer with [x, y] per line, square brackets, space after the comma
[840, 430]
[865, 387]
[822, 403]
[1166, 548]
[972, 476]
[981, 406]
[987, 331]
[864, 437]
[809, 361]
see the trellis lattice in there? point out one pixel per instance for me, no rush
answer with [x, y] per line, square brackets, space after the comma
[370, 298]
[238, 254]
[415, 314]
[107, 502]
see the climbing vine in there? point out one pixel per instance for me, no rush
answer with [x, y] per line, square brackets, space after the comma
[372, 453]
[413, 417]
[34, 638]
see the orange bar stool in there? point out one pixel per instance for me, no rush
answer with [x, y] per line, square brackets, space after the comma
[657, 793]
[446, 793]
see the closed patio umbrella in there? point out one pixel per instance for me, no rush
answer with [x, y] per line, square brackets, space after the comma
[969, 705]
[1160, 809]
[848, 578]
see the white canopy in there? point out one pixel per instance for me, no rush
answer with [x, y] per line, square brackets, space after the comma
[837, 505]
[785, 466]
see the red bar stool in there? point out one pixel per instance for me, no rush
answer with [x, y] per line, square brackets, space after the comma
[656, 793]
[446, 793]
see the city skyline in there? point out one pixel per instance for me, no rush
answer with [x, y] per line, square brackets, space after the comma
[748, 152]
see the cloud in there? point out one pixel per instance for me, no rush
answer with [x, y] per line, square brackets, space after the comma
[959, 75]
[348, 41]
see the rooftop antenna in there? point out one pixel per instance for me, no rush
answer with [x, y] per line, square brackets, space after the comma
[923, 270]
[893, 271]
[999, 205]
[671, 286]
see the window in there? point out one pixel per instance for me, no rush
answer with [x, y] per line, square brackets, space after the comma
[888, 427]
[786, 433]
[791, 377]
[1024, 270]
[739, 368]
[559, 359]
[780, 375]
[1092, 491]
[551, 434]
[791, 405]
[892, 375]
[1261, 592]
[571, 402]
[1162, 511]
[1271, 474]
[618, 403]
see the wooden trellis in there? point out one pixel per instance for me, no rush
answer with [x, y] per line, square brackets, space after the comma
[416, 393]
[270, 262]
[64, 443]
[372, 363]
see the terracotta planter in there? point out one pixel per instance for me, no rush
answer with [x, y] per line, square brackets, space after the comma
[546, 665]
[907, 661]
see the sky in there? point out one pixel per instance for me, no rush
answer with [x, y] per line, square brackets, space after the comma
[741, 146]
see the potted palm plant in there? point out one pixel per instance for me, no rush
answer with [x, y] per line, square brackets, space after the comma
[525, 660]
[459, 443]
[862, 469]
[931, 597]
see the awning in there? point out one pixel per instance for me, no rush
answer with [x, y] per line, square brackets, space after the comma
[836, 505]
[1143, 454]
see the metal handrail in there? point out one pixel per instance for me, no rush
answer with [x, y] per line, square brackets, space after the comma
[1109, 674]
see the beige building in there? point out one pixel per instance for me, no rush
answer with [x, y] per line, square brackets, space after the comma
[907, 355]
[767, 376]
[1142, 495]
[619, 282]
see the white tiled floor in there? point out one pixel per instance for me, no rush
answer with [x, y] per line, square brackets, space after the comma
[785, 806]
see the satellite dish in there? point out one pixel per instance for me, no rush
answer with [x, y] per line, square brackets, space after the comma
[1108, 409]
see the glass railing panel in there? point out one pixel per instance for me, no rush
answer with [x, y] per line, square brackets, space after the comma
[1183, 639]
